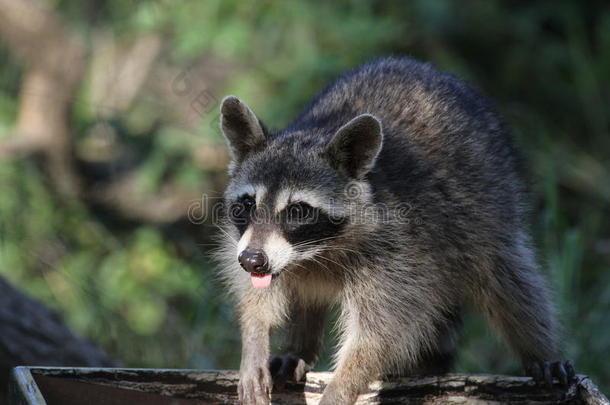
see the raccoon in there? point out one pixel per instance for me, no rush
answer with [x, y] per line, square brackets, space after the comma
[395, 195]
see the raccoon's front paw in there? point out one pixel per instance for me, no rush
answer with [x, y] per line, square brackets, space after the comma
[254, 386]
[544, 372]
[287, 367]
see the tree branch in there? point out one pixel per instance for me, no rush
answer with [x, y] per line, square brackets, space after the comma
[54, 63]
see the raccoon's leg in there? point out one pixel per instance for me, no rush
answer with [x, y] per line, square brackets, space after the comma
[255, 381]
[379, 334]
[257, 315]
[518, 303]
[360, 363]
[305, 333]
[440, 358]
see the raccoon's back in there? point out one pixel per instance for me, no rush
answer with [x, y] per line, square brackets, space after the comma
[441, 137]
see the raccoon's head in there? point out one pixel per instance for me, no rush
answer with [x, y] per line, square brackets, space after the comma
[295, 196]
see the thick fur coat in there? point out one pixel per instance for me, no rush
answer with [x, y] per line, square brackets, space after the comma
[396, 195]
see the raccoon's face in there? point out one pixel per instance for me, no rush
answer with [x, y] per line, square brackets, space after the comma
[291, 198]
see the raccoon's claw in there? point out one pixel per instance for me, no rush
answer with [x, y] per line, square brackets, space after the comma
[287, 367]
[543, 373]
[254, 387]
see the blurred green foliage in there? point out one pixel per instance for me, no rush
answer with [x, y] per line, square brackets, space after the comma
[134, 291]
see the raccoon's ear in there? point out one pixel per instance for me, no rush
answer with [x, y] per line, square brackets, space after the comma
[355, 145]
[244, 132]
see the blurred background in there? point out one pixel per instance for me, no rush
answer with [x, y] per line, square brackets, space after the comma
[109, 138]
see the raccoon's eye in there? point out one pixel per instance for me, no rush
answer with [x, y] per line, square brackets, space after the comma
[248, 202]
[240, 210]
[300, 212]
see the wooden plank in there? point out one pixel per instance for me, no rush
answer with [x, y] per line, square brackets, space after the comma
[220, 387]
[23, 390]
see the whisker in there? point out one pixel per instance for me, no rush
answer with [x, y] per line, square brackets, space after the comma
[319, 263]
[336, 263]
[316, 241]
[228, 235]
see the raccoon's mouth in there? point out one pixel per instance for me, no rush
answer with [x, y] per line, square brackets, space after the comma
[262, 280]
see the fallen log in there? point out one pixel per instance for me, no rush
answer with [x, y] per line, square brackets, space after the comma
[151, 386]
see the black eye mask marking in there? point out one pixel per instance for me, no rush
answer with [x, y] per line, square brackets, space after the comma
[303, 223]
[240, 212]
[301, 213]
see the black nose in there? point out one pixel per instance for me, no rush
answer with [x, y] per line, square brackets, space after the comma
[254, 261]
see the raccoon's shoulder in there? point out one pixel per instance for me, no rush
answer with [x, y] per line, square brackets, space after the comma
[395, 89]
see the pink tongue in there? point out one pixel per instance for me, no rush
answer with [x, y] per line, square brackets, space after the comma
[261, 281]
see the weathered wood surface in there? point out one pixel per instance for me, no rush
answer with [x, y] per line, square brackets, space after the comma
[219, 387]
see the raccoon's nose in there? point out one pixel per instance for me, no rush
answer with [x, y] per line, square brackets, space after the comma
[254, 261]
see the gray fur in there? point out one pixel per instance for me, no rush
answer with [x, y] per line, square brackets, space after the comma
[401, 283]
